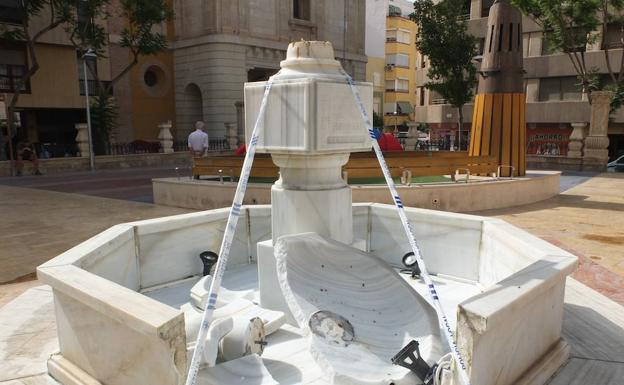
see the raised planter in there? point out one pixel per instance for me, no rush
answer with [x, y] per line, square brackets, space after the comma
[458, 197]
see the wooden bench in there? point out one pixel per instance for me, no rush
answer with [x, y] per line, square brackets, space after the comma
[421, 164]
[231, 166]
[361, 165]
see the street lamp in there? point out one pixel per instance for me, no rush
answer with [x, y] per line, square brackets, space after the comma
[89, 56]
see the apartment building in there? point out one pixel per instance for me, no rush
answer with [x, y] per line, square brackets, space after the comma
[392, 60]
[554, 101]
[54, 99]
[400, 69]
[221, 44]
[52, 102]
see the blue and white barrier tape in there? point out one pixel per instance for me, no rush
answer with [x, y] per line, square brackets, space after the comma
[226, 244]
[444, 322]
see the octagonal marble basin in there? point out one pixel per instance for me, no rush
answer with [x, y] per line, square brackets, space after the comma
[118, 296]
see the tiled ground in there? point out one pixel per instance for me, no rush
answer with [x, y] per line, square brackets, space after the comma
[588, 221]
[37, 225]
[131, 184]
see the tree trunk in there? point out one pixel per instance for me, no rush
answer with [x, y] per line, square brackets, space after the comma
[460, 122]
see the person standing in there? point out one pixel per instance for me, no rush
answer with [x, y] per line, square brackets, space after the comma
[25, 152]
[198, 140]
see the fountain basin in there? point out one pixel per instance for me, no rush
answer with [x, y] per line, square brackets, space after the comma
[118, 295]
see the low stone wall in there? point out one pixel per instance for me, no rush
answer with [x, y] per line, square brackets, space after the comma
[562, 163]
[456, 197]
[104, 162]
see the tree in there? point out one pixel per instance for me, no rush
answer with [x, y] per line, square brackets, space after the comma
[450, 49]
[48, 14]
[86, 31]
[569, 26]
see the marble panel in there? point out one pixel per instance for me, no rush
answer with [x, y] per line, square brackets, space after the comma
[113, 353]
[449, 242]
[88, 252]
[502, 331]
[27, 334]
[506, 249]
[173, 253]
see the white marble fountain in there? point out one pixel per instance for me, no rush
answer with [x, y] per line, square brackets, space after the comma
[315, 290]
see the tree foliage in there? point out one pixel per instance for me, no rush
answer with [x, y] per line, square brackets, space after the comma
[571, 25]
[87, 30]
[138, 35]
[449, 48]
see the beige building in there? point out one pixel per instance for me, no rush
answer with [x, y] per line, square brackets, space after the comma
[554, 101]
[221, 44]
[53, 101]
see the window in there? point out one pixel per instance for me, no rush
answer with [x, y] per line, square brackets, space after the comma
[393, 10]
[397, 85]
[547, 47]
[301, 9]
[402, 85]
[485, 7]
[398, 108]
[398, 35]
[436, 98]
[614, 36]
[560, 88]
[399, 60]
[376, 79]
[421, 96]
[12, 68]
[10, 12]
[150, 78]
[577, 36]
[391, 35]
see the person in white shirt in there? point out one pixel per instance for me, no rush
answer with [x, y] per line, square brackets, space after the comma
[198, 140]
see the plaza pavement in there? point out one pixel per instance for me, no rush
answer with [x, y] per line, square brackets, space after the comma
[586, 220]
[36, 224]
[44, 216]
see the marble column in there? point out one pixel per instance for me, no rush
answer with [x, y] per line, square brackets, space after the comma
[575, 144]
[82, 139]
[165, 137]
[597, 141]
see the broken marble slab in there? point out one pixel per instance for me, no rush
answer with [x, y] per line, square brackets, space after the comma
[241, 371]
[320, 274]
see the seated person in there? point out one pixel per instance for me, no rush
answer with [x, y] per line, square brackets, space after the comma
[241, 150]
[25, 152]
[388, 142]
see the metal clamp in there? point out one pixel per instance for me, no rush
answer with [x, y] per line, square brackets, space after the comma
[466, 172]
[406, 177]
[498, 171]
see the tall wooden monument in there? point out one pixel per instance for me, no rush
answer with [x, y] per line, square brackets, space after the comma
[498, 123]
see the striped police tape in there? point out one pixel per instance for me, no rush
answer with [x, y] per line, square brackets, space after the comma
[226, 244]
[444, 322]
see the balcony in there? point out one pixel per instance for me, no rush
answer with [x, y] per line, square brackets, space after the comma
[8, 83]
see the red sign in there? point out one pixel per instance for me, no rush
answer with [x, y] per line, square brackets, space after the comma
[548, 141]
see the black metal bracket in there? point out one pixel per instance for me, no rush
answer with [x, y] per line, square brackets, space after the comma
[409, 357]
[209, 259]
[412, 267]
